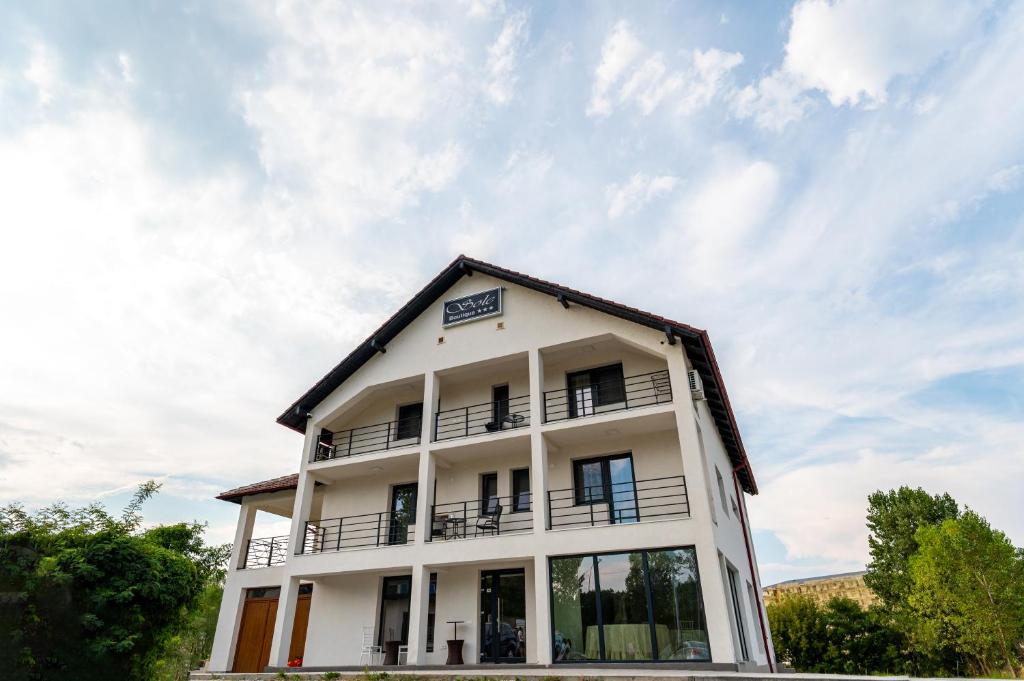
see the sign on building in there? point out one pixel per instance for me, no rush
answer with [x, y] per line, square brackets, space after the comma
[472, 307]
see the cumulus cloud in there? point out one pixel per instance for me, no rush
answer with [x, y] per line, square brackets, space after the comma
[628, 73]
[851, 50]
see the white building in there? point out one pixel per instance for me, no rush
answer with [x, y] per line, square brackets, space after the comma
[560, 474]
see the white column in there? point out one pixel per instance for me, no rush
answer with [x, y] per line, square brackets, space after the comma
[538, 446]
[542, 611]
[228, 621]
[243, 533]
[282, 641]
[419, 608]
[699, 498]
[427, 468]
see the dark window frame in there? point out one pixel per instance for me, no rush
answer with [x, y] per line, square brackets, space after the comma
[403, 423]
[499, 406]
[600, 615]
[579, 496]
[605, 390]
[485, 505]
[521, 473]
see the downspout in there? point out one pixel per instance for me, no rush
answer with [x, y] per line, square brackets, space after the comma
[750, 562]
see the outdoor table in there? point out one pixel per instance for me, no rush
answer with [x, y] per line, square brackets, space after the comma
[455, 644]
[454, 527]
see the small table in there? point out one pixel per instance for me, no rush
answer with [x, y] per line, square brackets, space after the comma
[455, 644]
[454, 527]
[391, 652]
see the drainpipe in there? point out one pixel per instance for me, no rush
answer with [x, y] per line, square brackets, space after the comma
[750, 562]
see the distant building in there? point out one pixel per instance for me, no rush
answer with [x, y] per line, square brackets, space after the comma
[821, 589]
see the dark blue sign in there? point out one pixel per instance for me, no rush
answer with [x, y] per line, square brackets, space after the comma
[472, 307]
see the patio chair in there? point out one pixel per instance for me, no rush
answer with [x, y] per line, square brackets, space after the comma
[368, 649]
[490, 523]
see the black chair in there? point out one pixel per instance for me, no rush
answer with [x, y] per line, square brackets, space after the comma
[437, 526]
[490, 522]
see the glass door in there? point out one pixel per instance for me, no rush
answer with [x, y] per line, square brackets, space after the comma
[503, 616]
[581, 394]
[623, 508]
[394, 610]
[403, 513]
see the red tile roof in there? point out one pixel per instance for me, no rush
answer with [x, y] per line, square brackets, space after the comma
[265, 487]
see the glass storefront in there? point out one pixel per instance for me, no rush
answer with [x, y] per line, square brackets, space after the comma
[640, 606]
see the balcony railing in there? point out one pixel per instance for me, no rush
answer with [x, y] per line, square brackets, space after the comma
[601, 397]
[367, 439]
[478, 419]
[358, 531]
[482, 517]
[619, 503]
[265, 552]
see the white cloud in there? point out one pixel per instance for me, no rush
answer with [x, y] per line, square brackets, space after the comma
[637, 193]
[502, 57]
[43, 72]
[631, 74]
[852, 50]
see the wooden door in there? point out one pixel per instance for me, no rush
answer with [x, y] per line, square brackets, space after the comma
[256, 633]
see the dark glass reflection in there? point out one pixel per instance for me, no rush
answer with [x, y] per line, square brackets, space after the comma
[574, 602]
[627, 631]
[679, 622]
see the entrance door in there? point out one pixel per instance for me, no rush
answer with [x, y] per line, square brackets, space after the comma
[503, 616]
[403, 513]
[394, 610]
[256, 632]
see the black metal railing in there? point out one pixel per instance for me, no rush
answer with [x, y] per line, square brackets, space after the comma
[619, 503]
[601, 397]
[265, 552]
[367, 439]
[478, 419]
[482, 517]
[358, 531]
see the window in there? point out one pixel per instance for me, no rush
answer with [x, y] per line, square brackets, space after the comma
[430, 612]
[735, 508]
[410, 417]
[643, 605]
[753, 613]
[607, 480]
[521, 490]
[595, 388]
[499, 403]
[721, 491]
[488, 493]
[741, 632]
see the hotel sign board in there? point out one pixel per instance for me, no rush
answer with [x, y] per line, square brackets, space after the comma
[472, 307]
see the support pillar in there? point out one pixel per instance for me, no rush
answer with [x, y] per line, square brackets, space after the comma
[282, 641]
[419, 609]
[542, 610]
[701, 501]
[538, 446]
[243, 533]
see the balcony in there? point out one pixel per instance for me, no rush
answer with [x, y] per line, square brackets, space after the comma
[358, 531]
[481, 518]
[601, 397]
[619, 503]
[479, 419]
[378, 437]
[265, 552]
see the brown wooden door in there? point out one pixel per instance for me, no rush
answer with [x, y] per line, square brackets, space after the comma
[256, 633]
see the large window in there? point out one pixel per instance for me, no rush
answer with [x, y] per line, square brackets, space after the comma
[595, 388]
[643, 605]
[607, 480]
[488, 494]
[410, 417]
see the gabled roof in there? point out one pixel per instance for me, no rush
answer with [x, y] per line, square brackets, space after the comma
[696, 342]
[265, 487]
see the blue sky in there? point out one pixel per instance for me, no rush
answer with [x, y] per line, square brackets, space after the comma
[203, 207]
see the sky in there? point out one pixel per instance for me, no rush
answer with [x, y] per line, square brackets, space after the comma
[205, 206]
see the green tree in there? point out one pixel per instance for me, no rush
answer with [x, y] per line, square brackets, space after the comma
[967, 588]
[837, 638]
[799, 632]
[91, 596]
[893, 520]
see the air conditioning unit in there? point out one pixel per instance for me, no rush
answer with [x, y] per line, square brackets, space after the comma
[696, 386]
